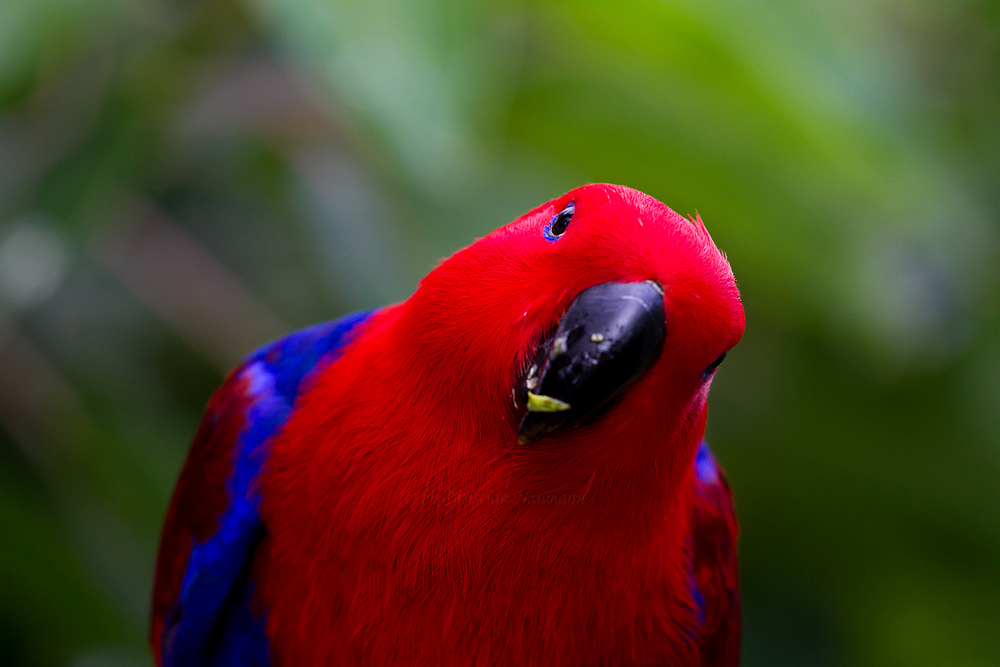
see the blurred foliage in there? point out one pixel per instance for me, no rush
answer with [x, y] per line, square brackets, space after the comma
[180, 181]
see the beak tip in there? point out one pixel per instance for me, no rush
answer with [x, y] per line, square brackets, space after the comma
[535, 426]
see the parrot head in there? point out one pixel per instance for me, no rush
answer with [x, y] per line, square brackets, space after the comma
[602, 302]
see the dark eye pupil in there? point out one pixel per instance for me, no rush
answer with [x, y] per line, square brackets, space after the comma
[560, 221]
[712, 366]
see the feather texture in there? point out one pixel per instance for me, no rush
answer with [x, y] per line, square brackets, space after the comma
[201, 595]
[391, 517]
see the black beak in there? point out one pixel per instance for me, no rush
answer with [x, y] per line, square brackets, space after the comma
[611, 334]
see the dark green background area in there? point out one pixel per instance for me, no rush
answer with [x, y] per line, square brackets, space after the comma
[182, 181]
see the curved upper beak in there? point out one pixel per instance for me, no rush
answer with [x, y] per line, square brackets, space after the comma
[610, 335]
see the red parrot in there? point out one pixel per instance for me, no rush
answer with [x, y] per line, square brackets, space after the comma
[507, 468]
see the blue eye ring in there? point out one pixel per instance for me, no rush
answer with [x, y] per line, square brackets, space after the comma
[559, 222]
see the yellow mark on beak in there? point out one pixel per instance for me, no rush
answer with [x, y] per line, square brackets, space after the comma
[539, 403]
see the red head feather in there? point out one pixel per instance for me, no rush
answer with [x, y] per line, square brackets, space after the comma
[404, 523]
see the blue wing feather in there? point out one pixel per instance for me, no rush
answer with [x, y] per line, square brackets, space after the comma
[210, 620]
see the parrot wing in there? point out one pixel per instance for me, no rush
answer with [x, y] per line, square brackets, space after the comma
[716, 587]
[201, 613]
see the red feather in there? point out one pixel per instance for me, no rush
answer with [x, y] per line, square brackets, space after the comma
[404, 524]
[200, 498]
[713, 534]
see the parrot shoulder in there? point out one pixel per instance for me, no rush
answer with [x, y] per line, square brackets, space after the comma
[714, 531]
[201, 611]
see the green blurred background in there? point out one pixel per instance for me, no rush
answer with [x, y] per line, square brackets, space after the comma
[181, 181]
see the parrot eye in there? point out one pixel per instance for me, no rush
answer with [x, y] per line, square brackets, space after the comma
[560, 221]
[707, 373]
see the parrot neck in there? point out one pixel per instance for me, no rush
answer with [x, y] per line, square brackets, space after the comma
[623, 477]
[424, 516]
[625, 484]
